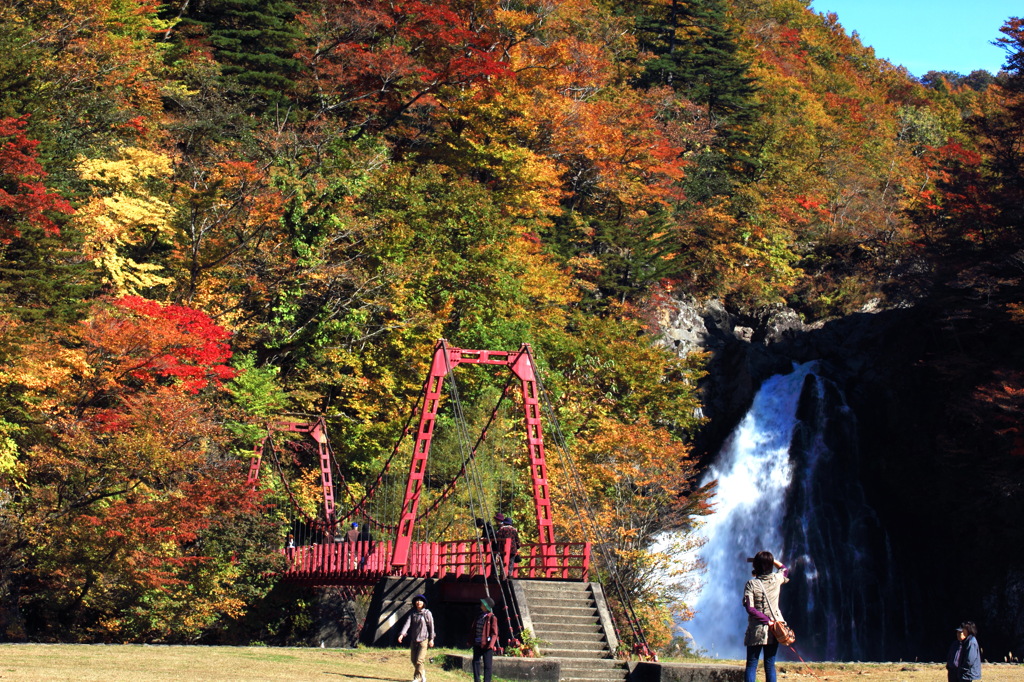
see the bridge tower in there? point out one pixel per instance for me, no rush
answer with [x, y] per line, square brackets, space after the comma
[521, 364]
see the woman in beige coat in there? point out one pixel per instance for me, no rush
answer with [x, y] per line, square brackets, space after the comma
[761, 600]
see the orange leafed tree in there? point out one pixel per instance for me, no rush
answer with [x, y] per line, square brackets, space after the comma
[127, 474]
[229, 209]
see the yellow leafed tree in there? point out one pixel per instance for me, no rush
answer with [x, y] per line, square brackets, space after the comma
[124, 212]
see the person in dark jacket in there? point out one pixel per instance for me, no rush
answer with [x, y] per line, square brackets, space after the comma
[366, 549]
[419, 626]
[486, 530]
[953, 658]
[964, 663]
[485, 640]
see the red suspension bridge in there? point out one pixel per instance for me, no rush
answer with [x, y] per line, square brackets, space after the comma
[365, 561]
[326, 556]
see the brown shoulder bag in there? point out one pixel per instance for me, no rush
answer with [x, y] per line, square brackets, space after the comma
[783, 633]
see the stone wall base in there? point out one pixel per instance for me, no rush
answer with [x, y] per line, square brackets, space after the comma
[549, 670]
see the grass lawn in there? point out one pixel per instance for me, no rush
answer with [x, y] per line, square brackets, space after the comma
[141, 663]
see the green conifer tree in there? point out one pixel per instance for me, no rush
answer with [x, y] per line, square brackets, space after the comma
[635, 255]
[255, 42]
[45, 278]
[696, 50]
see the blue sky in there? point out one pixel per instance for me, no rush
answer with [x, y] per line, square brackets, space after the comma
[927, 35]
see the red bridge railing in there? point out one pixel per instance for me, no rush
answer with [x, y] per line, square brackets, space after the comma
[564, 561]
[355, 563]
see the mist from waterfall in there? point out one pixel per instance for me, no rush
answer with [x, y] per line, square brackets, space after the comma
[754, 472]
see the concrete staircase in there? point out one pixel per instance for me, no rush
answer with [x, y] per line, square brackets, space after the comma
[573, 624]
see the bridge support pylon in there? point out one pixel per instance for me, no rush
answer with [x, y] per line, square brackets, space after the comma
[444, 360]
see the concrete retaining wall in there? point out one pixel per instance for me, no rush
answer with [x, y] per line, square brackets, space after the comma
[337, 619]
[510, 668]
[392, 600]
[546, 670]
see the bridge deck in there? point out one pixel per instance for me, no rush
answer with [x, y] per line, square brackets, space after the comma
[364, 563]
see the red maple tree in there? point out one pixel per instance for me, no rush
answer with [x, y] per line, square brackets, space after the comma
[23, 196]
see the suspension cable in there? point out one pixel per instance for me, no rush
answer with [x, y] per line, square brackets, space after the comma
[470, 470]
[474, 480]
[284, 481]
[472, 454]
[511, 606]
[337, 467]
[576, 489]
[372, 490]
[463, 441]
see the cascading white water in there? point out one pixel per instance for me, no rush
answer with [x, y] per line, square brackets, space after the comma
[754, 472]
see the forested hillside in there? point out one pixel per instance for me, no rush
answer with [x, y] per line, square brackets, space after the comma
[214, 212]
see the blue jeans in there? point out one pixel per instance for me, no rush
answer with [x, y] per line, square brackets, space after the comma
[753, 653]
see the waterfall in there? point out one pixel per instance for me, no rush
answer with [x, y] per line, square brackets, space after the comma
[789, 482]
[753, 470]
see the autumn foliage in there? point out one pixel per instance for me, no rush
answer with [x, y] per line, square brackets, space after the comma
[199, 232]
[24, 199]
[122, 483]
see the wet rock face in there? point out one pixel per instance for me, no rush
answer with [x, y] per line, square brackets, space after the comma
[741, 352]
[689, 325]
[775, 324]
[744, 349]
[683, 327]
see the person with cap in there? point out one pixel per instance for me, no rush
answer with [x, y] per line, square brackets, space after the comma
[419, 626]
[485, 640]
[349, 539]
[964, 662]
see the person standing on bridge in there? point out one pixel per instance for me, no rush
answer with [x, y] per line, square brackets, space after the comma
[366, 546]
[486, 531]
[511, 533]
[419, 626]
[349, 539]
